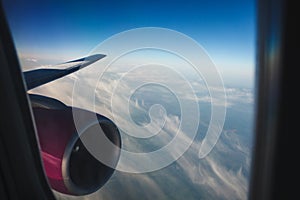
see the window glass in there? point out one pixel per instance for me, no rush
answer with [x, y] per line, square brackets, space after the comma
[177, 80]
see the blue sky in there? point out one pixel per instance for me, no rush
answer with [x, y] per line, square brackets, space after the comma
[68, 29]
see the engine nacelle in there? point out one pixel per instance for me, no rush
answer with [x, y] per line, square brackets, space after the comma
[69, 166]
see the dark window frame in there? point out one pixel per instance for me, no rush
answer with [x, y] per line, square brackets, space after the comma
[21, 171]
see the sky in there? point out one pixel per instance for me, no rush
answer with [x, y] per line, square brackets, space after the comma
[55, 30]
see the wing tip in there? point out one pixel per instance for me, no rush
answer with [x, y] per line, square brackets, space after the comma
[95, 57]
[90, 59]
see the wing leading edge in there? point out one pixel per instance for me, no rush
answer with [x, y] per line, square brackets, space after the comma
[38, 77]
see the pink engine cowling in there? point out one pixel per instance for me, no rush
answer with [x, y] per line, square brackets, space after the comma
[69, 166]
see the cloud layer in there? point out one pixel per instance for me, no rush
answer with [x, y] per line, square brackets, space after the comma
[223, 174]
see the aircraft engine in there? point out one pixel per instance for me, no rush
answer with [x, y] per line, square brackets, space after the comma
[69, 166]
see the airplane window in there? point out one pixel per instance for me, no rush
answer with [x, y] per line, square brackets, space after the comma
[140, 99]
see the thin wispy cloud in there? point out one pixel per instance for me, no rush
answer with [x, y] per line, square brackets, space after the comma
[211, 174]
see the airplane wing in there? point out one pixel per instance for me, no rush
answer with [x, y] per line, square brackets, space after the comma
[38, 77]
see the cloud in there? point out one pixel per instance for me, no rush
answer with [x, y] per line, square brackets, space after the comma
[212, 176]
[240, 95]
[234, 96]
[31, 60]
